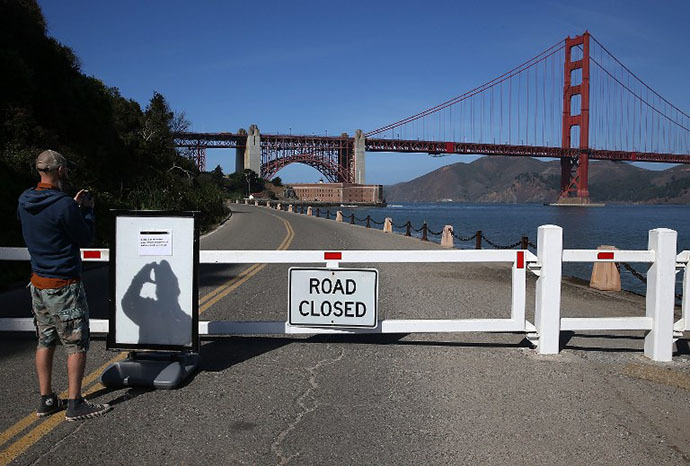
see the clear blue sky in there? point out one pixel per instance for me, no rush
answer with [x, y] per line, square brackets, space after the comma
[332, 67]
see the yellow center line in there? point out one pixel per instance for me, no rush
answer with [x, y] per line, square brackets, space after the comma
[249, 272]
[27, 440]
[240, 279]
[222, 287]
[35, 434]
[31, 418]
[18, 427]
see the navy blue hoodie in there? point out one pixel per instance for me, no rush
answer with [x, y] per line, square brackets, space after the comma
[54, 229]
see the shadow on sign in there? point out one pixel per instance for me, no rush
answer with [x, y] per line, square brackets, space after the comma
[160, 318]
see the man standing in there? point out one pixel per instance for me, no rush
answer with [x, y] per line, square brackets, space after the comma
[55, 226]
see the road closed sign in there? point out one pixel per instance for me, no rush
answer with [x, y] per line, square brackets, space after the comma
[333, 297]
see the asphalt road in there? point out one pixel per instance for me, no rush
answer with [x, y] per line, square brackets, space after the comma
[386, 399]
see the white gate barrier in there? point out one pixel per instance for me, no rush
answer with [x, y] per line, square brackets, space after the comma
[546, 264]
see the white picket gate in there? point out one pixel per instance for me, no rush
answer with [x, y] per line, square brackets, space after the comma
[661, 330]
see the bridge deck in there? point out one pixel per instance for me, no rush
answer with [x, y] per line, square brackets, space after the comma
[308, 144]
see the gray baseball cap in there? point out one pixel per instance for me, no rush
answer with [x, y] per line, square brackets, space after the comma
[50, 160]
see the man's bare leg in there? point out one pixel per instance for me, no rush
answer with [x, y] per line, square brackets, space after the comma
[76, 362]
[44, 369]
[79, 409]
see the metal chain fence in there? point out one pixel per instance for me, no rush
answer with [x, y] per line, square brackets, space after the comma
[464, 238]
[498, 246]
[409, 227]
[639, 276]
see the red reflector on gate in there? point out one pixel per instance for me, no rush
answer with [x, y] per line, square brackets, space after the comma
[449, 147]
[605, 255]
[520, 260]
[332, 256]
[92, 254]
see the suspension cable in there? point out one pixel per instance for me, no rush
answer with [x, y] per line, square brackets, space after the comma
[518, 69]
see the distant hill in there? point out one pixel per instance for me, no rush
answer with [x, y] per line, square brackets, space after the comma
[524, 179]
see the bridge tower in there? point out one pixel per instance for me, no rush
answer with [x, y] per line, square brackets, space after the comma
[252, 151]
[574, 170]
[360, 153]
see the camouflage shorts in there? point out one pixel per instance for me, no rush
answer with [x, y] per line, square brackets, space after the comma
[61, 314]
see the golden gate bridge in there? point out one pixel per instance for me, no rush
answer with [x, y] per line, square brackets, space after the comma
[574, 101]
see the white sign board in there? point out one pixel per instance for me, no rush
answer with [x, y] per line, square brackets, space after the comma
[154, 300]
[333, 297]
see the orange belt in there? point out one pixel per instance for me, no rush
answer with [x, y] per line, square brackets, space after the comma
[45, 283]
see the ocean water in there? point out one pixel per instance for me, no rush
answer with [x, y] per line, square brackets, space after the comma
[623, 226]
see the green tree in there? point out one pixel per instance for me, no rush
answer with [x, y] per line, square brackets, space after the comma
[254, 182]
[218, 175]
[126, 156]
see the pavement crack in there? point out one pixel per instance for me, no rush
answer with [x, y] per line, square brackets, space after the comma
[57, 444]
[307, 402]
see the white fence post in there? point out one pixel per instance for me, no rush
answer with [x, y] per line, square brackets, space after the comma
[661, 285]
[547, 311]
[686, 300]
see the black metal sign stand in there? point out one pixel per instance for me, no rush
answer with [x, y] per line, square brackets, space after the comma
[152, 365]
